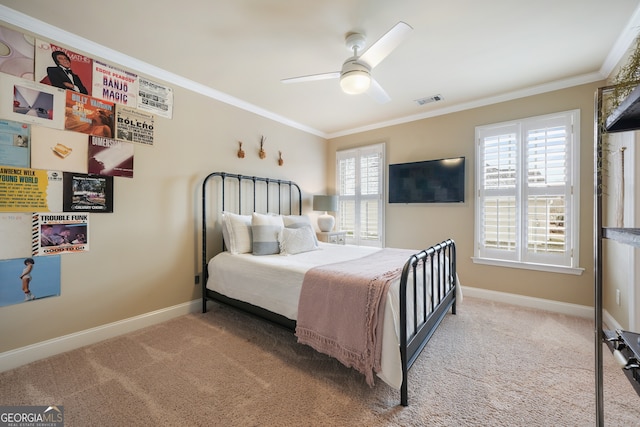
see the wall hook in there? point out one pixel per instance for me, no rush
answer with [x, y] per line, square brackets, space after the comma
[262, 153]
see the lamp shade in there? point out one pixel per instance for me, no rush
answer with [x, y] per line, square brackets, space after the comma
[325, 203]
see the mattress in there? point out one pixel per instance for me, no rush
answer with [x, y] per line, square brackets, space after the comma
[273, 282]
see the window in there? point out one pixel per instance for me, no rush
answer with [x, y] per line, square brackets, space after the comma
[360, 183]
[527, 193]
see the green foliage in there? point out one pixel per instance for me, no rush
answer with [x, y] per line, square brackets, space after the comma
[624, 82]
[627, 78]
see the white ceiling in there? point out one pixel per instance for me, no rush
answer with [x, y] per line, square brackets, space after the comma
[468, 51]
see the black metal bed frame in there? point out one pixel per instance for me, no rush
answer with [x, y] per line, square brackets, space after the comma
[432, 311]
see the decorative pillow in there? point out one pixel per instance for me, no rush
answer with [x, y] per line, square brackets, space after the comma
[225, 232]
[239, 233]
[296, 240]
[298, 221]
[265, 230]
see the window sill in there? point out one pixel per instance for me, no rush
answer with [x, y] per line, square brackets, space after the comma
[529, 266]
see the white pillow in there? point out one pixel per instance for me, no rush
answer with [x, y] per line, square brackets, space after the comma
[298, 221]
[296, 240]
[239, 232]
[265, 230]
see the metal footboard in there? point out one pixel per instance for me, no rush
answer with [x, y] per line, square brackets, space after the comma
[440, 261]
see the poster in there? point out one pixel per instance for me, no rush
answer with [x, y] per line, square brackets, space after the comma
[110, 157]
[86, 114]
[54, 149]
[15, 232]
[30, 190]
[87, 193]
[14, 144]
[114, 85]
[17, 57]
[62, 68]
[26, 101]
[134, 125]
[43, 283]
[155, 98]
[60, 233]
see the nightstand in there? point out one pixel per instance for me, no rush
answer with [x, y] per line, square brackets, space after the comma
[336, 237]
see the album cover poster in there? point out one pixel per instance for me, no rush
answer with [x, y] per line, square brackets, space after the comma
[87, 193]
[15, 144]
[110, 157]
[114, 85]
[25, 101]
[17, 58]
[15, 230]
[54, 149]
[63, 68]
[43, 280]
[134, 125]
[86, 114]
[59, 233]
[30, 190]
[155, 98]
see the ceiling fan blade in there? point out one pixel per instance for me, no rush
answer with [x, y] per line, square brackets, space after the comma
[376, 92]
[386, 44]
[313, 77]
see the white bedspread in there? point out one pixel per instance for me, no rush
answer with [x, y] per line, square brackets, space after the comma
[273, 282]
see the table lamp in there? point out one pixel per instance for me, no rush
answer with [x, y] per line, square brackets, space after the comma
[325, 204]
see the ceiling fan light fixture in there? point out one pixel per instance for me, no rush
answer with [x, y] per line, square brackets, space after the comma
[355, 82]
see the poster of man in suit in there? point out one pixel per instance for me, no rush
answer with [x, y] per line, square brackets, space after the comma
[60, 67]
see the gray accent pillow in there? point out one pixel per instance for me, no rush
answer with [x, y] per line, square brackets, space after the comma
[265, 230]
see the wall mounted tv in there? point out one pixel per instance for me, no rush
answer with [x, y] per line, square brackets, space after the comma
[428, 181]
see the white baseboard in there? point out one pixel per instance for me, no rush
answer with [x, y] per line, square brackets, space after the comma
[610, 322]
[531, 302]
[21, 356]
[542, 304]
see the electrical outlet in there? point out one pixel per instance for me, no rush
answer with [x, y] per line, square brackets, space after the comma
[617, 296]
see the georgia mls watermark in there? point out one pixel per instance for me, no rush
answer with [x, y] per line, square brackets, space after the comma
[31, 416]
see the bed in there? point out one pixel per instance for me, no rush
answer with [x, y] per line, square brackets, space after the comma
[414, 289]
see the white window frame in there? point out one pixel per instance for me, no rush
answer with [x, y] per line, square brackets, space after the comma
[359, 199]
[566, 262]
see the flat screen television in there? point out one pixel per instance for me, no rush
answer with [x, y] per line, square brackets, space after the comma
[428, 181]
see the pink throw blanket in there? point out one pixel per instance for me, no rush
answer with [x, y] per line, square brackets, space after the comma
[341, 308]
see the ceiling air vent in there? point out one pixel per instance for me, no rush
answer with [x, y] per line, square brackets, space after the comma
[434, 98]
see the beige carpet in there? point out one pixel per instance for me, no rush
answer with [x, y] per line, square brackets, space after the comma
[490, 365]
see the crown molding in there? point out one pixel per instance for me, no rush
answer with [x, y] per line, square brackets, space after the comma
[35, 26]
[27, 23]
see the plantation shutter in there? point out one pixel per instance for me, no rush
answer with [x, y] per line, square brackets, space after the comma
[498, 192]
[525, 190]
[548, 189]
[360, 185]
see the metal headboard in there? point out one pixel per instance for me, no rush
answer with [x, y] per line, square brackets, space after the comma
[238, 180]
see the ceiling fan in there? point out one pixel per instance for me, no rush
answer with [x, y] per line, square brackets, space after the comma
[355, 76]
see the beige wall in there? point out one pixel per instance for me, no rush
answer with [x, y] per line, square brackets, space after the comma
[144, 256]
[453, 135]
